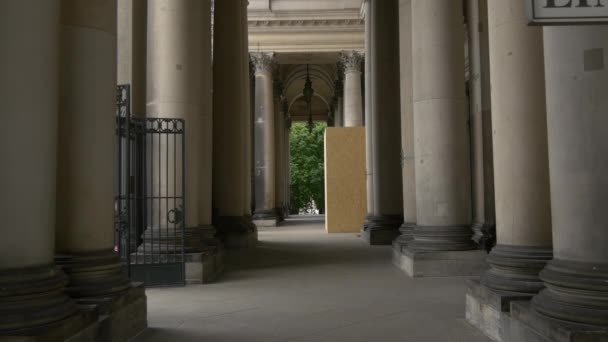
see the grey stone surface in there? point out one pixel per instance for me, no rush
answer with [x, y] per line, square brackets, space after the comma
[439, 264]
[301, 284]
[204, 268]
[488, 309]
[527, 325]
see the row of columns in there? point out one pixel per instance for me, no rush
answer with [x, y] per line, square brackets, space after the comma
[542, 168]
[58, 183]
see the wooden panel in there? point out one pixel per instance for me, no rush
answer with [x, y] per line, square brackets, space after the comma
[345, 188]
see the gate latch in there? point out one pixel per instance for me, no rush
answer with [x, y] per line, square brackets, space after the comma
[178, 215]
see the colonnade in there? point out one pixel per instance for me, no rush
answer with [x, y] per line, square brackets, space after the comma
[59, 95]
[443, 163]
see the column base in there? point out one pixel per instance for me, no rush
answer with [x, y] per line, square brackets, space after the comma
[442, 238]
[381, 229]
[407, 234]
[266, 218]
[419, 264]
[162, 240]
[31, 299]
[528, 325]
[93, 274]
[488, 309]
[516, 268]
[118, 318]
[575, 292]
[237, 231]
[484, 235]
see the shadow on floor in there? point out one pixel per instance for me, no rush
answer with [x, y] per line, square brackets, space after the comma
[287, 248]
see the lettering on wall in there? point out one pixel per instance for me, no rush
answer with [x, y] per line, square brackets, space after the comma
[567, 12]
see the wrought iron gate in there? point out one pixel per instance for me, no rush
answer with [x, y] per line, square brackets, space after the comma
[150, 198]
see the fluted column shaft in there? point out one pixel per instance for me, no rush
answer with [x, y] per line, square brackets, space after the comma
[576, 80]
[443, 194]
[230, 118]
[387, 216]
[523, 206]
[407, 121]
[265, 151]
[353, 101]
[85, 172]
[31, 287]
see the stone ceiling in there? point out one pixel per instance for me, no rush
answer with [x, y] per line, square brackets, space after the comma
[306, 32]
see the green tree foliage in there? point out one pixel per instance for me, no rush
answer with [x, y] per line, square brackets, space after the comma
[307, 166]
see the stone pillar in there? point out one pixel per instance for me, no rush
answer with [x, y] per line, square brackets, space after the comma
[443, 193]
[523, 207]
[265, 152]
[175, 90]
[131, 46]
[383, 226]
[279, 136]
[369, 120]
[31, 287]
[576, 79]
[287, 133]
[353, 102]
[248, 126]
[487, 238]
[85, 182]
[407, 123]
[339, 102]
[230, 119]
[205, 128]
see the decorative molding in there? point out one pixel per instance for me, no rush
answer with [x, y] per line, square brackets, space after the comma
[306, 22]
[351, 61]
[263, 62]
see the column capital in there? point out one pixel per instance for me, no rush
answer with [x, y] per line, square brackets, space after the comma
[263, 61]
[351, 61]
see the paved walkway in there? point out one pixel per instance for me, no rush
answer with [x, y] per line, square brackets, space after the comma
[301, 284]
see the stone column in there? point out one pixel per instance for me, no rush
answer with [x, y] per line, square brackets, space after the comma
[369, 120]
[279, 136]
[85, 172]
[487, 239]
[248, 126]
[131, 46]
[353, 102]
[443, 192]
[383, 226]
[476, 118]
[230, 118]
[265, 154]
[287, 161]
[175, 90]
[576, 79]
[523, 207]
[31, 286]
[407, 122]
[339, 102]
[205, 128]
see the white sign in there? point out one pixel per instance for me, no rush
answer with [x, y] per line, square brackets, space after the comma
[567, 12]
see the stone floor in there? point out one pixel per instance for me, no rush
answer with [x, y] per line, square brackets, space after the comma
[301, 284]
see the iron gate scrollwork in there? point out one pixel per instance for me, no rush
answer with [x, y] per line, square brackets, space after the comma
[150, 199]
